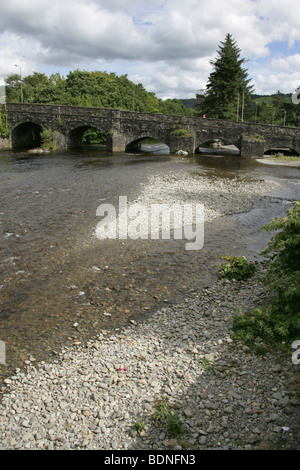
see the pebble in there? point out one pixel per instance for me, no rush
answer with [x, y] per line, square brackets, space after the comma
[234, 399]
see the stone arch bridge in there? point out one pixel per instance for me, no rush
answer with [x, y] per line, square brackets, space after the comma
[124, 129]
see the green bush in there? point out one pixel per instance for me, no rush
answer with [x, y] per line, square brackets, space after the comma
[4, 132]
[237, 267]
[164, 413]
[47, 139]
[93, 136]
[180, 132]
[280, 321]
[174, 425]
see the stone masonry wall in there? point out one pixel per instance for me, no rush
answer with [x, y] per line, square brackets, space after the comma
[123, 127]
[5, 143]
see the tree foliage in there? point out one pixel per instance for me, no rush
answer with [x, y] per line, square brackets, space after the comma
[229, 95]
[95, 89]
[4, 132]
[47, 140]
[275, 109]
[228, 83]
[280, 321]
[237, 267]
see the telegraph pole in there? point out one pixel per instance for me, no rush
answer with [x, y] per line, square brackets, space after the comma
[243, 103]
[21, 82]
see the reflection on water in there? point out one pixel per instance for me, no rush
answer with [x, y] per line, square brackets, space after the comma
[54, 273]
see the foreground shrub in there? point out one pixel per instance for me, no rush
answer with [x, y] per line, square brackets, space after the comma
[237, 267]
[280, 321]
[47, 139]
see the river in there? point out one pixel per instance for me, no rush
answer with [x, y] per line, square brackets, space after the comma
[59, 285]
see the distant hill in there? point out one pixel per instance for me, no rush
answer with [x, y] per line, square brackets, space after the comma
[192, 102]
[189, 103]
[286, 97]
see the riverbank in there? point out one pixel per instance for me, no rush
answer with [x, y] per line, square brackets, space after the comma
[55, 273]
[219, 196]
[279, 162]
[226, 396]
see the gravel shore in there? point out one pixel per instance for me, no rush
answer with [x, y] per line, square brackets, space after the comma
[108, 394]
[219, 196]
[226, 396]
[273, 161]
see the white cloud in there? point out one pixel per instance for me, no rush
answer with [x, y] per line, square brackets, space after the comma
[289, 63]
[170, 80]
[281, 74]
[165, 44]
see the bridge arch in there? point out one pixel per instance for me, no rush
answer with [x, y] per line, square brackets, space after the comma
[147, 144]
[75, 135]
[26, 135]
[219, 145]
[286, 151]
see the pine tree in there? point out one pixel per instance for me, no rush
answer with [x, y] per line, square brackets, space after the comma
[228, 89]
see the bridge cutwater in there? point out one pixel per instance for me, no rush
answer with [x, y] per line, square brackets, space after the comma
[125, 129]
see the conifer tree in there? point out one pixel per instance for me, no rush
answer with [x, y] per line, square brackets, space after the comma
[228, 89]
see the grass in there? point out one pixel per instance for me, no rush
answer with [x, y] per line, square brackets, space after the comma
[164, 412]
[206, 364]
[285, 158]
[174, 425]
[139, 426]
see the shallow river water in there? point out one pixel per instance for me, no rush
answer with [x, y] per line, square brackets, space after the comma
[55, 274]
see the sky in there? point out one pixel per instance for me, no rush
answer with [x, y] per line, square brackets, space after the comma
[166, 45]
